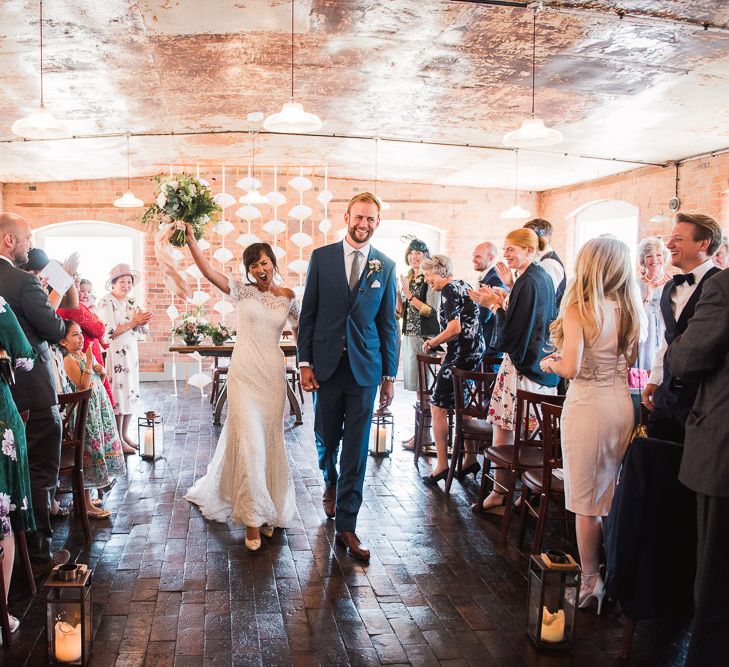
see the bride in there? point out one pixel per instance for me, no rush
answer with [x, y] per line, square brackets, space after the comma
[248, 478]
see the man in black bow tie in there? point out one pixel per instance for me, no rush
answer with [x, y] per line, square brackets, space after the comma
[694, 239]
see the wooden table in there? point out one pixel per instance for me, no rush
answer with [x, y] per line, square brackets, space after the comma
[288, 347]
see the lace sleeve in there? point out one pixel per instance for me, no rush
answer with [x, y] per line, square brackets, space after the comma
[294, 312]
[237, 288]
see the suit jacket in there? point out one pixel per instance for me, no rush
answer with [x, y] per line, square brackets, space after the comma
[674, 397]
[35, 390]
[486, 317]
[701, 355]
[363, 321]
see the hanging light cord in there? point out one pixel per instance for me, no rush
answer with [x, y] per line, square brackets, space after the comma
[253, 155]
[128, 188]
[41, 51]
[534, 56]
[516, 174]
[292, 49]
[377, 144]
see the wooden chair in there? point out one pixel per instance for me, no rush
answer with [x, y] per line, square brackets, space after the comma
[21, 543]
[472, 391]
[220, 374]
[428, 367]
[490, 364]
[293, 377]
[545, 483]
[74, 409]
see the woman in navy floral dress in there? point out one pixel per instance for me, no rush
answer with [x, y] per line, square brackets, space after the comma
[461, 330]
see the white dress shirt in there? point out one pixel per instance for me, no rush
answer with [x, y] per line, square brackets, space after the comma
[680, 294]
[552, 267]
[349, 256]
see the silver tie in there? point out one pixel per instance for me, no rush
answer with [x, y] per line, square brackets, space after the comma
[356, 272]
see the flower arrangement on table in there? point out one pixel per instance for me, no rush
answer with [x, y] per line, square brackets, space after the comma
[219, 333]
[192, 328]
[182, 198]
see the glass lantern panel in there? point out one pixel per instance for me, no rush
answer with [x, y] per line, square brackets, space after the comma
[158, 437]
[65, 631]
[534, 609]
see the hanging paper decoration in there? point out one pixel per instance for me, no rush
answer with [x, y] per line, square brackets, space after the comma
[274, 227]
[193, 271]
[248, 212]
[300, 212]
[325, 226]
[299, 292]
[299, 266]
[278, 251]
[203, 244]
[176, 254]
[224, 200]
[223, 228]
[276, 198]
[199, 298]
[172, 312]
[223, 255]
[324, 197]
[223, 307]
[300, 183]
[200, 380]
[301, 240]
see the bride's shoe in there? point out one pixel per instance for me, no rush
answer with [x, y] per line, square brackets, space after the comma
[267, 530]
[253, 544]
[588, 591]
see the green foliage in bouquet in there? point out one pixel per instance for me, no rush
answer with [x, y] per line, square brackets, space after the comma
[220, 333]
[182, 198]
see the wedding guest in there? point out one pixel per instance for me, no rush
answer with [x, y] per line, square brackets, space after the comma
[548, 258]
[417, 304]
[103, 456]
[16, 512]
[37, 261]
[522, 320]
[720, 258]
[123, 327]
[700, 357]
[92, 327]
[693, 241]
[35, 390]
[484, 261]
[595, 338]
[461, 332]
[653, 257]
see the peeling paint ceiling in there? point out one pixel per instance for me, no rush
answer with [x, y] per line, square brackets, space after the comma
[652, 86]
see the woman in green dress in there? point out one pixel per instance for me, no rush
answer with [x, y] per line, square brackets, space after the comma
[103, 456]
[16, 512]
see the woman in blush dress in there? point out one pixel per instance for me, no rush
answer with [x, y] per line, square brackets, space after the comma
[249, 479]
[595, 337]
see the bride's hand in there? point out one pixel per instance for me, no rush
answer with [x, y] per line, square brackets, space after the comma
[189, 235]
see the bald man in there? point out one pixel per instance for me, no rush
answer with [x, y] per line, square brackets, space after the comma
[35, 390]
[484, 261]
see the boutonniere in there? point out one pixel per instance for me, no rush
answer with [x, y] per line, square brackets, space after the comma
[374, 266]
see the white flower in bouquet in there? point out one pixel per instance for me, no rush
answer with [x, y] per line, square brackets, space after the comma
[161, 200]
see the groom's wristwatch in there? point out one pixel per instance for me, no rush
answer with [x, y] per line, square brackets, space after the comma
[388, 378]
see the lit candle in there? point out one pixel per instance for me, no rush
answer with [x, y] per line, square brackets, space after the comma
[380, 443]
[68, 642]
[148, 442]
[552, 625]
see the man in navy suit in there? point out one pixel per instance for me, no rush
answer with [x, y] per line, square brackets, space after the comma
[484, 261]
[348, 346]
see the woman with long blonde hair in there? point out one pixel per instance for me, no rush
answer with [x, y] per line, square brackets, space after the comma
[595, 338]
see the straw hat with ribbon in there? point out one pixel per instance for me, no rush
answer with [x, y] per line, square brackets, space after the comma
[122, 270]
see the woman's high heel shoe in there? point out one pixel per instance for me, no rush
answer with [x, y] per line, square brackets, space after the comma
[432, 480]
[597, 592]
[474, 469]
[267, 530]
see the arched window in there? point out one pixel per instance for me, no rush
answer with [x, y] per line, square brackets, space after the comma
[610, 216]
[100, 245]
[389, 239]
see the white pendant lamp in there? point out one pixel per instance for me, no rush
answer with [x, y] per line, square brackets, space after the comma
[41, 124]
[533, 133]
[292, 118]
[128, 200]
[515, 211]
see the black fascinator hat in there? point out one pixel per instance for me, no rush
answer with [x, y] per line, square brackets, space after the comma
[415, 244]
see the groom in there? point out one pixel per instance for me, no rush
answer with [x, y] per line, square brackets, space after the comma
[348, 346]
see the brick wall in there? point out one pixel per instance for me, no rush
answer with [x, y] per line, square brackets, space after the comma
[467, 215]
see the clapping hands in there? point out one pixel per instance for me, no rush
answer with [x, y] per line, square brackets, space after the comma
[488, 297]
[504, 273]
[70, 264]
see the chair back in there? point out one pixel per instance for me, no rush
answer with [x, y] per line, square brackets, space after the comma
[472, 392]
[488, 363]
[74, 408]
[529, 418]
[551, 440]
[428, 368]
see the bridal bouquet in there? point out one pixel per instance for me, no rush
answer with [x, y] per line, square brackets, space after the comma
[219, 333]
[182, 198]
[192, 328]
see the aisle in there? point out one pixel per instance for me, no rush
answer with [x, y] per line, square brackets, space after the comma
[172, 589]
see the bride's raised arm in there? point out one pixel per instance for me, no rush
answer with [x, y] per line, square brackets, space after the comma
[217, 278]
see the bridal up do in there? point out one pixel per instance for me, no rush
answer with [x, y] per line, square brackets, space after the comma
[254, 251]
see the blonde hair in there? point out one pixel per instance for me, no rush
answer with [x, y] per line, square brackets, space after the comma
[439, 264]
[603, 270]
[650, 246]
[527, 238]
[367, 198]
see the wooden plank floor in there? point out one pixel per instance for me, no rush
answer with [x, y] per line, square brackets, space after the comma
[173, 589]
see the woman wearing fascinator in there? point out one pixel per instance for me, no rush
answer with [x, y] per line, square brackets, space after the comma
[417, 305]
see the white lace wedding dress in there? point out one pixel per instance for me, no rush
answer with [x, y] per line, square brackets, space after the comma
[249, 478]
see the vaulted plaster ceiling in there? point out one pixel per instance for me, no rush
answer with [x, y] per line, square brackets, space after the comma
[652, 86]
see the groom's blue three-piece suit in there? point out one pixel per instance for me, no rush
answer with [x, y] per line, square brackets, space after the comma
[350, 339]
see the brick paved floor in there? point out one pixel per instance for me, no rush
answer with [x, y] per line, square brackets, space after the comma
[173, 589]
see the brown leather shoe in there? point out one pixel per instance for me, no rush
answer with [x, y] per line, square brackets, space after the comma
[355, 548]
[329, 501]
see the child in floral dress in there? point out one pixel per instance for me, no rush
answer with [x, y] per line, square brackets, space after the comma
[103, 456]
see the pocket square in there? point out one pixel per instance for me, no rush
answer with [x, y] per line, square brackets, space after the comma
[377, 283]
